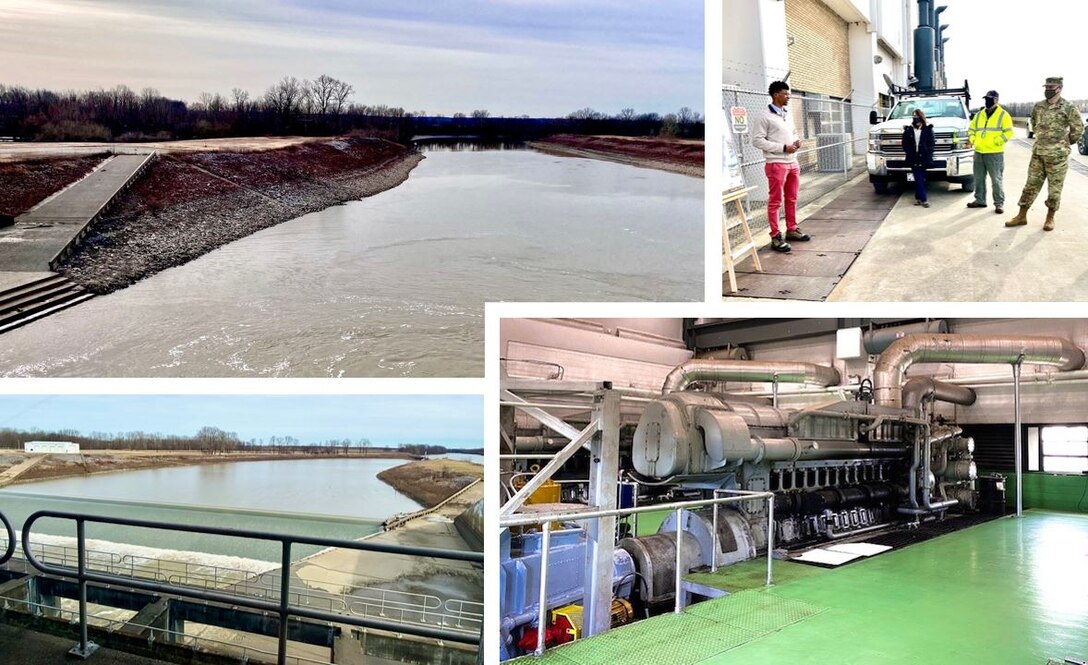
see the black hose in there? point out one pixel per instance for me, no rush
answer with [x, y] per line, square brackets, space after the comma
[635, 573]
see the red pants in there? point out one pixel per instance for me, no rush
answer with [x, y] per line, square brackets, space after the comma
[781, 177]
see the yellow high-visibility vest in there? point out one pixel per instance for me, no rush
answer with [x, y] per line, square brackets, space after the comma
[989, 132]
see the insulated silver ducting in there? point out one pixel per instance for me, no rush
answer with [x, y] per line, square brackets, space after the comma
[709, 369]
[876, 341]
[921, 388]
[893, 363]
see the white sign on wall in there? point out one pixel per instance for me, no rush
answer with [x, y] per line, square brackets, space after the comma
[731, 169]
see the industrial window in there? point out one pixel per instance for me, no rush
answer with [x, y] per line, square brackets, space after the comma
[1065, 449]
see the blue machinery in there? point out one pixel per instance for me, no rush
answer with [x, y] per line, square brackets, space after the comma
[283, 609]
[573, 556]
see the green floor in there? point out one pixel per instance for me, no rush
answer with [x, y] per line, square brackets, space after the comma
[753, 575]
[1007, 591]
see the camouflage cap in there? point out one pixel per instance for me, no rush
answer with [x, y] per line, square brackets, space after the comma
[1055, 80]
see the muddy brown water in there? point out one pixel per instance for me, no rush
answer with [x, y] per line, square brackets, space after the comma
[393, 285]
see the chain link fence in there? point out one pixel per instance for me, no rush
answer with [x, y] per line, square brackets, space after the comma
[833, 135]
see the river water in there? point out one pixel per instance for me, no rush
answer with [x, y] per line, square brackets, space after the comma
[392, 285]
[327, 498]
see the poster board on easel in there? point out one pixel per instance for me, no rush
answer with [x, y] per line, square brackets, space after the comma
[733, 194]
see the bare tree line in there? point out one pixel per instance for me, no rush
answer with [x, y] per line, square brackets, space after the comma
[208, 439]
[321, 106]
[685, 123]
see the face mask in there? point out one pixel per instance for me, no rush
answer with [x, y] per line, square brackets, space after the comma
[990, 103]
[1051, 94]
[917, 122]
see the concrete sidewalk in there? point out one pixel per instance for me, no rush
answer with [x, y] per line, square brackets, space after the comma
[951, 253]
[21, 646]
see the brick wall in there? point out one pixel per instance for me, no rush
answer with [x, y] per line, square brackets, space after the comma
[820, 54]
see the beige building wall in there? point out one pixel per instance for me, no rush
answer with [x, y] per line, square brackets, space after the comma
[820, 53]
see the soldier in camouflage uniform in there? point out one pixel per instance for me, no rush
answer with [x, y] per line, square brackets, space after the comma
[1057, 125]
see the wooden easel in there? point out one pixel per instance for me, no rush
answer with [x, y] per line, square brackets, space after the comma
[730, 255]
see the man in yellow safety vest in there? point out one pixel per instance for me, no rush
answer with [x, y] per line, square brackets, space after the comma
[990, 130]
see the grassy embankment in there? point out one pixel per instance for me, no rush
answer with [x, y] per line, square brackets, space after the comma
[189, 203]
[429, 482]
[675, 155]
[24, 184]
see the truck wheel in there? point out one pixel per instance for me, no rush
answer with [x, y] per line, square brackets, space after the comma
[881, 187]
[1082, 148]
[1031, 134]
[969, 185]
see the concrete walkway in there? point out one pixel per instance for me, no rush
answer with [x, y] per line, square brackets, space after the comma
[12, 473]
[951, 253]
[38, 235]
[25, 647]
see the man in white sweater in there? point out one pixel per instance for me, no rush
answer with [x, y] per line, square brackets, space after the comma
[773, 132]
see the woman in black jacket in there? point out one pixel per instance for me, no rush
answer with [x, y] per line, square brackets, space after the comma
[919, 142]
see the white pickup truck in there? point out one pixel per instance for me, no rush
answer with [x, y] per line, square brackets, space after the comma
[953, 157]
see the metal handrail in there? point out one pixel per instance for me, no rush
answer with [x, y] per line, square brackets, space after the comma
[113, 625]
[545, 520]
[283, 608]
[210, 576]
[9, 551]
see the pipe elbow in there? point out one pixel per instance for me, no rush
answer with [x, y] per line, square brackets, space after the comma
[919, 389]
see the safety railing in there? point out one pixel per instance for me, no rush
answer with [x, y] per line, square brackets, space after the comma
[361, 601]
[545, 521]
[9, 550]
[284, 609]
[246, 653]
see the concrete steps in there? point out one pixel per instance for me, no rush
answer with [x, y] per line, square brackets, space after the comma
[34, 300]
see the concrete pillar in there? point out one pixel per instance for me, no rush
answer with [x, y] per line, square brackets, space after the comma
[754, 43]
[604, 453]
[347, 649]
[153, 615]
[863, 75]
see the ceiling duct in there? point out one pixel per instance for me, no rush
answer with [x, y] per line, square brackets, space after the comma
[1007, 349]
[753, 371]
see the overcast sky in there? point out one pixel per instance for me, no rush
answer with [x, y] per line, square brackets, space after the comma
[512, 57]
[1012, 46]
[455, 420]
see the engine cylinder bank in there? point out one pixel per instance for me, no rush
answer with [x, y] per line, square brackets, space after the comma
[689, 434]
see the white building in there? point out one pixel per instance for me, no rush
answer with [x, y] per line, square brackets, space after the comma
[58, 447]
[836, 49]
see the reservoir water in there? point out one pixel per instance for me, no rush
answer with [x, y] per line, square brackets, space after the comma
[327, 498]
[393, 285]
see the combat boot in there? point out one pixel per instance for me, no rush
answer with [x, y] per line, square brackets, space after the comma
[1020, 219]
[1049, 224]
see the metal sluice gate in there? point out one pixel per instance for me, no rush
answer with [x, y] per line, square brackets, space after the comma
[282, 608]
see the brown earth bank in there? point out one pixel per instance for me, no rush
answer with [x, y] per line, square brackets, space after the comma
[191, 203]
[24, 184]
[429, 482]
[67, 466]
[675, 155]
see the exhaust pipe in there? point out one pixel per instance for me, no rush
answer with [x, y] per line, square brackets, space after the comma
[708, 369]
[893, 363]
[920, 389]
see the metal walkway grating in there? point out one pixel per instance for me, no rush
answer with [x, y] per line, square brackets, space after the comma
[756, 611]
[840, 230]
[701, 632]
